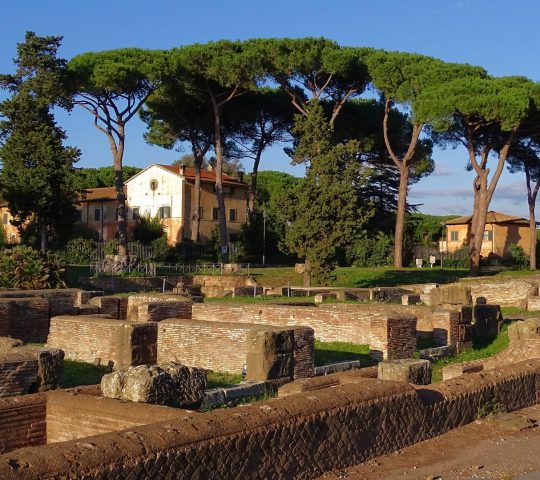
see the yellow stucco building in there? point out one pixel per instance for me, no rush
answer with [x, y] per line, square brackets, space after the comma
[501, 231]
[167, 191]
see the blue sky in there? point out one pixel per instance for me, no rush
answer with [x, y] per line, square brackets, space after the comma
[497, 34]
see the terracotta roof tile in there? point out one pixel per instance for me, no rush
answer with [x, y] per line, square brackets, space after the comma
[206, 175]
[492, 217]
[97, 194]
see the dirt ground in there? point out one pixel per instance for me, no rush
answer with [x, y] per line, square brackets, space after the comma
[505, 446]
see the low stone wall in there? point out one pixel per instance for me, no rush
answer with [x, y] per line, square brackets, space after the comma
[62, 301]
[129, 284]
[134, 301]
[281, 439]
[331, 322]
[72, 415]
[507, 292]
[229, 347]
[102, 340]
[24, 318]
[22, 422]
[29, 370]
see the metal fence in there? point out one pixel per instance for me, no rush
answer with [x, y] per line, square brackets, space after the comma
[203, 269]
[143, 269]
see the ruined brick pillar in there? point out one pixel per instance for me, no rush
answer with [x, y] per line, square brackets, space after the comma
[392, 337]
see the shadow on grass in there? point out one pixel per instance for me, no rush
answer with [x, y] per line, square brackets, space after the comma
[80, 373]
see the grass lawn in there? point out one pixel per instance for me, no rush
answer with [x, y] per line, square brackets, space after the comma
[80, 373]
[331, 352]
[222, 379]
[482, 348]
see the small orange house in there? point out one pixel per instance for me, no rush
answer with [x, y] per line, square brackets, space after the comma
[501, 231]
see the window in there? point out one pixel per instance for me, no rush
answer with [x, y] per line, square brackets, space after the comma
[136, 213]
[164, 212]
[234, 237]
[232, 191]
[5, 218]
[488, 236]
[454, 236]
[153, 185]
[232, 215]
[215, 213]
[97, 215]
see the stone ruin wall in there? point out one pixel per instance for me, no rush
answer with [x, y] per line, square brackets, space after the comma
[86, 339]
[23, 422]
[332, 322]
[72, 415]
[506, 293]
[224, 346]
[281, 438]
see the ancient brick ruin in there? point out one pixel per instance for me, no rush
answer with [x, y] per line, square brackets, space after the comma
[270, 343]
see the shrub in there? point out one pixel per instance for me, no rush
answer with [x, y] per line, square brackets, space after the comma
[147, 229]
[516, 258]
[372, 251]
[82, 231]
[111, 247]
[26, 268]
[458, 259]
[160, 248]
[78, 251]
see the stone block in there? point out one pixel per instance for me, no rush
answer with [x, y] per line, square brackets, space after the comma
[392, 337]
[171, 384]
[488, 320]
[406, 370]
[157, 311]
[410, 299]
[533, 304]
[529, 328]
[458, 369]
[454, 294]
[50, 369]
[321, 297]
[134, 301]
[269, 355]
[89, 310]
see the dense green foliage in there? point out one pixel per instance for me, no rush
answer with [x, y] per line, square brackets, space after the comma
[37, 169]
[26, 268]
[325, 210]
[102, 176]
[147, 229]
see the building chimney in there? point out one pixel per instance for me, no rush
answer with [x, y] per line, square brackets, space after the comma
[240, 175]
[182, 170]
[210, 167]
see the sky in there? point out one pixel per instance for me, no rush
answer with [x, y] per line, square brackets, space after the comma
[499, 35]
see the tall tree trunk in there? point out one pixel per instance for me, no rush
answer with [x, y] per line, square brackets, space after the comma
[307, 273]
[483, 193]
[43, 235]
[531, 200]
[253, 187]
[223, 236]
[117, 149]
[400, 216]
[532, 233]
[196, 224]
[478, 225]
[403, 165]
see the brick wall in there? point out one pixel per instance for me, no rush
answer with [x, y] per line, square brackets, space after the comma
[22, 422]
[89, 338]
[24, 318]
[281, 439]
[18, 374]
[224, 346]
[72, 415]
[331, 322]
[392, 337]
[134, 301]
[157, 311]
